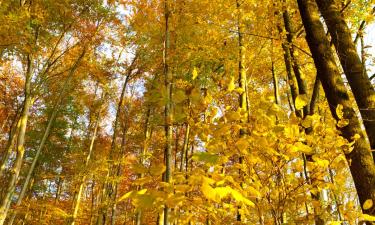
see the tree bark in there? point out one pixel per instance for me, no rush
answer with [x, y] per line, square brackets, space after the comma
[241, 81]
[55, 110]
[108, 188]
[360, 159]
[291, 79]
[10, 144]
[6, 201]
[77, 202]
[302, 89]
[168, 106]
[359, 82]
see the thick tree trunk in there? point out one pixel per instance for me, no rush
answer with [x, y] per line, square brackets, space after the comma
[6, 201]
[361, 86]
[360, 159]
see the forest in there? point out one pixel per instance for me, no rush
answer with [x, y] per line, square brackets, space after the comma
[196, 112]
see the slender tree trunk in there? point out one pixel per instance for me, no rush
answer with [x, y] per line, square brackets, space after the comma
[335, 198]
[275, 79]
[118, 174]
[241, 79]
[142, 161]
[108, 188]
[168, 106]
[10, 144]
[361, 86]
[363, 54]
[6, 201]
[291, 79]
[185, 147]
[362, 27]
[78, 198]
[360, 159]
[314, 95]
[302, 89]
[55, 110]
[92, 201]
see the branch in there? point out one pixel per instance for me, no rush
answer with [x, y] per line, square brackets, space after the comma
[361, 27]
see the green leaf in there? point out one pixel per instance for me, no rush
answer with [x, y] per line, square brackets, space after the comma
[206, 157]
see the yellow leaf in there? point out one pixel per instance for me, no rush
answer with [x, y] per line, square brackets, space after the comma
[223, 191]
[127, 195]
[209, 192]
[301, 101]
[356, 137]
[307, 122]
[303, 148]
[195, 73]
[231, 85]
[367, 217]
[343, 123]
[334, 222]
[179, 96]
[368, 204]
[254, 192]
[157, 169]
[240, 198]
[242, 144]
[142, 192]
[339, 112]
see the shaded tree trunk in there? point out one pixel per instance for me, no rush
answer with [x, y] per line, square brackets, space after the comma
[355, 72]
[168, 106]
[360, 159]
[302, 89]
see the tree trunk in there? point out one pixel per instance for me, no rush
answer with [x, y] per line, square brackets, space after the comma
[361, 86]
[55, 110]
[275, 79]
[360, 159]
[10, 144]
[108, 188]
[241, 80]
[6, 201]
[184, 149]
[77, 202]
[302, 89]
[291, 79]
[168, 106]
[147, 134]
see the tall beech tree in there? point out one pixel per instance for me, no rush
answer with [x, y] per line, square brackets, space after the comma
[360, 158]
[355, 72]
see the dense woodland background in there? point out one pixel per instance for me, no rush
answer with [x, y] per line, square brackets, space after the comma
[187, 112]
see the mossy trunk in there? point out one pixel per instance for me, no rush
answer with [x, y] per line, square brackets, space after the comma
[360, 159]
